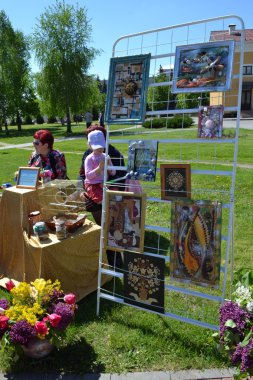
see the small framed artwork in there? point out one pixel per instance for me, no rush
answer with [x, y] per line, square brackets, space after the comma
[28, 177]
[144, 281]
[210, 122]
[175, 181]
[127, 89]
[203, 67]
[196, 242]
[142, 158]
[124, 224]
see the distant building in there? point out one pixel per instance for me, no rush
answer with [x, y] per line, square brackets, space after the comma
[247, 85]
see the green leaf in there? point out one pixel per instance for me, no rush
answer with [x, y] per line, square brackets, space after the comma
[230, 323]
[246, 339]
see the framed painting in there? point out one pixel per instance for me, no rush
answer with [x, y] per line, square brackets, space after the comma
[195, 242]
[142, 158]
[144, 281]
[175, 181]
[127, 89]
[210, 122]
[203, 67]
[124, 224]
[28, 177]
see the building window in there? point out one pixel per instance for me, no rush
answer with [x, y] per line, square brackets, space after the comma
[247, 69]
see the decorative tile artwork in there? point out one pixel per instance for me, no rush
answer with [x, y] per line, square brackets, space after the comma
[195, 242]
[144, 281]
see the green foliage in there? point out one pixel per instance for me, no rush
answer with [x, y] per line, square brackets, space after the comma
[60, 41]
[178, 121]
[192, 100]
[160, 98]
[17, 96]
[39, 119]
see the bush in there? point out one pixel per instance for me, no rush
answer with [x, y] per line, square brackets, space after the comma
[178, 121]
[39, 119]
[52, 119]
[28, 120]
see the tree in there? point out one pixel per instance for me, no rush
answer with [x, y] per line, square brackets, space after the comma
[60, 41]
[192, 100]
[160, 98]
[16, 90]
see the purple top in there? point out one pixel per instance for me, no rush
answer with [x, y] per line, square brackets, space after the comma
[91, 163]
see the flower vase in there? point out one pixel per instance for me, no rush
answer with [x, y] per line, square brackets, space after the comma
[38, 348]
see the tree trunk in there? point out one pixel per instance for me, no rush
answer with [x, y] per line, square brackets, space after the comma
[69, 130]
[19, 122]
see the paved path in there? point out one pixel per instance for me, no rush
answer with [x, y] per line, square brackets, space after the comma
[210, 374]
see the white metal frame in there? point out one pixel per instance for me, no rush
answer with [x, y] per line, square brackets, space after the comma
[228, 238]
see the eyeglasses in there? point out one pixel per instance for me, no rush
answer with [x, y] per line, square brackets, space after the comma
[36, 142]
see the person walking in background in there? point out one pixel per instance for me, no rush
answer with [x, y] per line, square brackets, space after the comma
[51, 161]
[101, 119]
[88, 118]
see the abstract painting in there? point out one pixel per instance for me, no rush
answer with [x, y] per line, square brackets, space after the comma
[195, 242]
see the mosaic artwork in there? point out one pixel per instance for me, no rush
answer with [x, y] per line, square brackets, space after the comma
[127, 89]
[142, 158]
[195, 242]
[144, 281]
[203, 67]
[210, 122]
[175, 181]
[124, 226]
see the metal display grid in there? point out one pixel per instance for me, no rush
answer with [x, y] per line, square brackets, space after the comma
[195, 305]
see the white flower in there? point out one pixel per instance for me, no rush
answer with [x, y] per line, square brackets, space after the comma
[249, 306]
[242, 295]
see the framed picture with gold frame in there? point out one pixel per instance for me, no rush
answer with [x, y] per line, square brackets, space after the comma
[124, 222]
[175, 181]
[28, 177]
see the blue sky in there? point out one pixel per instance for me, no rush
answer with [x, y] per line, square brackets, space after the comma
[111, 19]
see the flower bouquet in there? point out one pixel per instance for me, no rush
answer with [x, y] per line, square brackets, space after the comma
[236, 325]
[35, 316]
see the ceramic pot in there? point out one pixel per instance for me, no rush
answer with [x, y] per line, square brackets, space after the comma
[38, 348]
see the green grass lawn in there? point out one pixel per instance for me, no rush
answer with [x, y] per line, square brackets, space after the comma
[122, 338]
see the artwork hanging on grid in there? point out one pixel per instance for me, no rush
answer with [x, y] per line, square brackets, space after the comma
[210, 122]
[195, 242]
[142, 158]
[203, 67]
[127, 89]
[144, 281]
[175, 181]
[124, 224]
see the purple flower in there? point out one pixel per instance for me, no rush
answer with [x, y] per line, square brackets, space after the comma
[21, 332]
[4, 304]
[247, 357]
[66, 312]
[53, 299]
[231, 310]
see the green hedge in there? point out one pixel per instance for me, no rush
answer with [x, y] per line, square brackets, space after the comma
[177, 121]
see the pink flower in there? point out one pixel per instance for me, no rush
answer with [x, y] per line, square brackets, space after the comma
[54, 319]
[70, 298]
[9, 285]
[41, 328]
[3, 322]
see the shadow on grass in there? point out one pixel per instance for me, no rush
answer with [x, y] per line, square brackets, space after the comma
[75, 358]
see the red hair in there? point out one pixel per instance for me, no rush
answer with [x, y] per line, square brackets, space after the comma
[45, 137]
